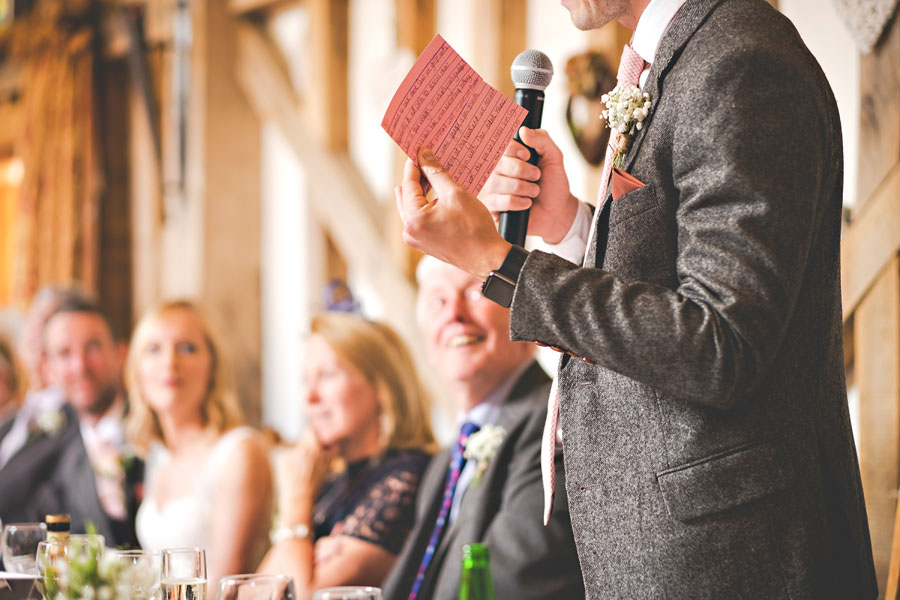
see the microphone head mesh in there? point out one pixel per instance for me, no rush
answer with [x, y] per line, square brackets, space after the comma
[531, 70]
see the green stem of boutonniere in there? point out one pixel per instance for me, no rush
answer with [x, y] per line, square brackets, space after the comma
[623, 143]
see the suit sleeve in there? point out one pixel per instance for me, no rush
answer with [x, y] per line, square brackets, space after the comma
[528, 560]
[751, 162]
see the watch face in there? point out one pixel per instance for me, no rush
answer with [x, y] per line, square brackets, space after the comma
[498, 289]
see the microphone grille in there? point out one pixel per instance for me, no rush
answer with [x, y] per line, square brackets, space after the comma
[531, 70]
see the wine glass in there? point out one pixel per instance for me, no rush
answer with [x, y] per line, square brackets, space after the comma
[183, 575]
[139, 573]
[256, 587]
[350, 592]
[18, 545]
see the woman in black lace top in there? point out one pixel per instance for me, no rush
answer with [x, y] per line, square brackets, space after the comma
[347, 489]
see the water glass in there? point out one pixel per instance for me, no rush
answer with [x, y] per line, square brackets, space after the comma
[139, 573]
[183, 574]
[256, 587]
[18, 545]
[348, 593]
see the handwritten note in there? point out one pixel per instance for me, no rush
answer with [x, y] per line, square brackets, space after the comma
[445, 105]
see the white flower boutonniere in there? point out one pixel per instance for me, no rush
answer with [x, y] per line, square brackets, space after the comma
[626, 109]
[49, 420]
[481, 447]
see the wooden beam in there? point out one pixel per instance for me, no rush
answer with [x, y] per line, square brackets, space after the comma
[416, 26]
[230, 226]
[879, 134]
[245, 7]
[877, 369]
[871, 242]
[893, 580]
[500, 35]
[341, 200]
[415, 23]
[329, 58]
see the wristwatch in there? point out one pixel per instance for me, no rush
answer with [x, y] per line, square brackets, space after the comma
[501, 283]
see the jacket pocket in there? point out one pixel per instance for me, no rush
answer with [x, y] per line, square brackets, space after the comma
[632, 204]
[725, 480]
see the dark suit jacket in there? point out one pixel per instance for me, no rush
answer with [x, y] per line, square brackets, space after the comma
[53, 474]
[503, 510]
[28, 470]
[708, 451]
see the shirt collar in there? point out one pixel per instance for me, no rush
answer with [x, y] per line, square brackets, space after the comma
[487, 412]
[652, 26]
[110, 427]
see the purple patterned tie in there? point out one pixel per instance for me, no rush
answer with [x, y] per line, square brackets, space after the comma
[456, 464]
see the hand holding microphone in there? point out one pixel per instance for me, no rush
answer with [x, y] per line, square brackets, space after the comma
[531, 72]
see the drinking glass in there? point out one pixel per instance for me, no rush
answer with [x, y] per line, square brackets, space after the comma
[348, 593]
[183, 574]
[256, 587]
[18, 545]
[139, 573]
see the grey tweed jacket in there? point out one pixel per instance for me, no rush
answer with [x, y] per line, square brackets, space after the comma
[528, 560]
[708, 451]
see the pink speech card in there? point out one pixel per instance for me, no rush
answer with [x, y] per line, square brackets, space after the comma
[445, 105]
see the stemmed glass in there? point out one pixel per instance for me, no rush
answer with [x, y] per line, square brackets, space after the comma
[256, 587]
[139, 574]
[348, 593]
[18, 544]
[184, 574]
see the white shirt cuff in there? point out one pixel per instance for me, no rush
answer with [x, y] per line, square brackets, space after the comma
[573, 245]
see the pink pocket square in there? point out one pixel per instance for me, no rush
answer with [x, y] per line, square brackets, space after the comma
[623, 182]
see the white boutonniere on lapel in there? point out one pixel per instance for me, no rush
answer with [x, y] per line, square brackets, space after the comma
[481, 447]
[626, 109]
[47, 421]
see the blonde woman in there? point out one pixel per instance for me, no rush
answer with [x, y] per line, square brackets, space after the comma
[367, 413]
[208, 482]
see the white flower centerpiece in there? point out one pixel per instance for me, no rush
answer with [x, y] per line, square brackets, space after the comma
[86, 572]
[481, 447]
[626, 109]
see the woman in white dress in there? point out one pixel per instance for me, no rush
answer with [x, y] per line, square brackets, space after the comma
[208, 480]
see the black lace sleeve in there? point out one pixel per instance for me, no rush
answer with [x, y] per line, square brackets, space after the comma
[383, 511]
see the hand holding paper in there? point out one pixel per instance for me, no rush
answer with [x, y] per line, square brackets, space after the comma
[444, 105]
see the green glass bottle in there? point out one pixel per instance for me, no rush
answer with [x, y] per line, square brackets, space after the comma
[475, 582]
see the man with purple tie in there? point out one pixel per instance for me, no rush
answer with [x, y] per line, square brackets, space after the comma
[487, 487]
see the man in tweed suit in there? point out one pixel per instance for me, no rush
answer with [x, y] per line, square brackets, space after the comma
[494, 382]
[707, 444]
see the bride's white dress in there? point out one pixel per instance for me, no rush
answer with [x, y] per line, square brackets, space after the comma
[184, 521]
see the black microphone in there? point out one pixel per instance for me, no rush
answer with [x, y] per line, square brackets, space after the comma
[531, 72]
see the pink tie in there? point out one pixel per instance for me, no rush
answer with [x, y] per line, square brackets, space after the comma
[631, 65]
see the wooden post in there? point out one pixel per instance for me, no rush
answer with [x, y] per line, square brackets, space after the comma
[327, 100]
[877, 318]
[416, 23]
[230, 225]
[877, 370]
[500, 33]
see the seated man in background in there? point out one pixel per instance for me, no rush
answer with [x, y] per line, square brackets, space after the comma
[490, 492]
[90, 476]
[29, 440]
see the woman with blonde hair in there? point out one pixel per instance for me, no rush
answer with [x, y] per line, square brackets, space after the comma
[208, 481]
[346, 498]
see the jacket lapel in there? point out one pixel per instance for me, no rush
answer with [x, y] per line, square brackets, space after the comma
[481, 500]
[82, 495]
[686, 21]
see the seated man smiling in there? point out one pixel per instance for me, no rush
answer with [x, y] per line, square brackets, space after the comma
[491, 493]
